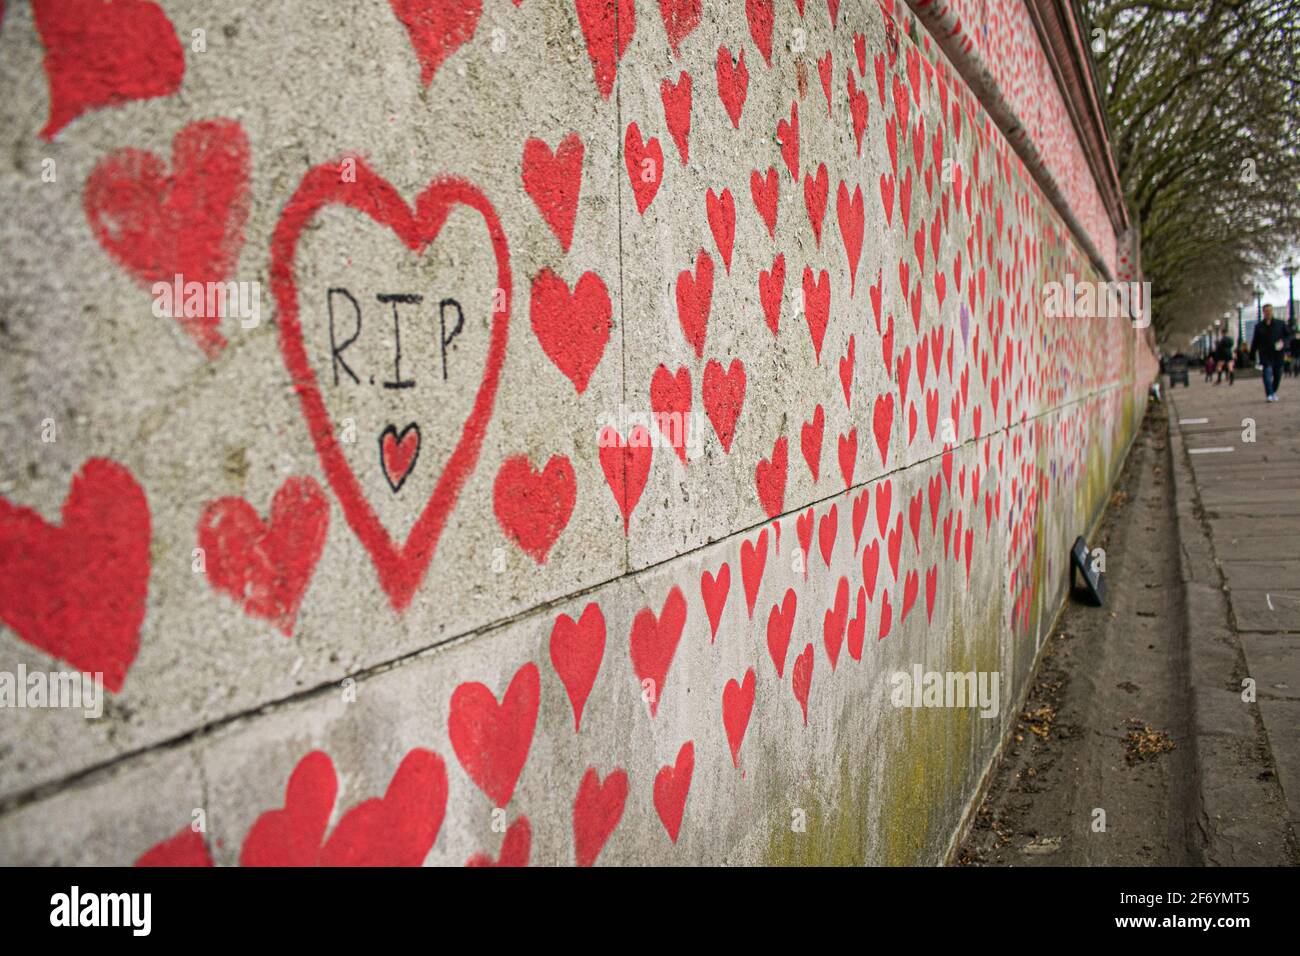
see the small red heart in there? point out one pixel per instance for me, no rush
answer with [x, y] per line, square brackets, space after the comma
[266, 567]
[852, 220]
[672, 784]
[858, 627]
[187, 222]
[737, 705]
[870, 567]
[398, 453]
[787, 134]
[724, 396]
[695, 300]
[846, 371]
[766, 193]
[599, 19]
[437, 28]
[571, 327]
[895, 545]
[815, 191]
[534, 507]
[861, 508]
[626, 465]
[677, 112]
[803, 525]
[848, 456]
[817, 307]
[931, 591]
[759, 13]
[715, 590]
[882, 423]
[886, 616]
[884, 504]
[859, 109]
[653, 644]
[577, 649]
[780, 625]
[554, 181]
[753, 558]
[680, 18]
[771, 286]
[645, 166]
[596, 811]
[827, 530]
[801, 680]
[733, 83]
[670, 399]
[77, 590]
[721, 211]
[103, 54]
[810, 441]
[492, 740]
[834, 622]
[825, 69]
[911, 585]
[769, 477]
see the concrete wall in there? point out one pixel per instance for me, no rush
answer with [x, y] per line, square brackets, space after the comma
[611, 653]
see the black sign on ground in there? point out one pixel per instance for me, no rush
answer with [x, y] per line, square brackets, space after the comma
[1094, 581]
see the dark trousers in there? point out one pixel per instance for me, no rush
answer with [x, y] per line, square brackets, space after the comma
[1272, 376]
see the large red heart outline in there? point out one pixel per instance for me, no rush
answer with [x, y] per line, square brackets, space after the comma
[401, 567]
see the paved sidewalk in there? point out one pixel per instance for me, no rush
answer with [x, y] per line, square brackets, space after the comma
[1245, 497]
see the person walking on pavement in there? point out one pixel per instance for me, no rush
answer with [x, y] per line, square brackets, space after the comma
[1223, 361]
[1269, 344]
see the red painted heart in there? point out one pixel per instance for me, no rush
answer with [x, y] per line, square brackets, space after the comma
[737, 705]
[77, 591]
[401, 568]
[187, 222]
[437, 28]
[571, 327]
[724, 396]
[596, 811]
[533, 507]
[626, 465]
[103, 54]
[554, 181]
[266, 567]
[601, 20]
[672, 784]
[653, 644]
[398, 453]
[577, 649]
[492, 740]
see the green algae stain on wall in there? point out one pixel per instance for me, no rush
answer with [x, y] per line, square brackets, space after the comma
[834, 834]
[932, 769]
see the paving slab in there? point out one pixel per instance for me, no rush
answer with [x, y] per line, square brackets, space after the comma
[1249, 498]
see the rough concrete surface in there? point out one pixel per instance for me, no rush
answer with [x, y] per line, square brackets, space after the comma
[892, 447]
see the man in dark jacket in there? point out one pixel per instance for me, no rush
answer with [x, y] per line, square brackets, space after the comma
[1269, 344]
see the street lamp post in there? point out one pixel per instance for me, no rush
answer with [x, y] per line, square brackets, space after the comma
[1241, 333]
[1289, 270]
[1259, 308]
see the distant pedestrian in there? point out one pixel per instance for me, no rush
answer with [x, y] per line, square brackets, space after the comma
[1295, 355]
[1223, 360]
[1270, 343]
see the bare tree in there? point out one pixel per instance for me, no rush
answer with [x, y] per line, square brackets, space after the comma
[1203, 99]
